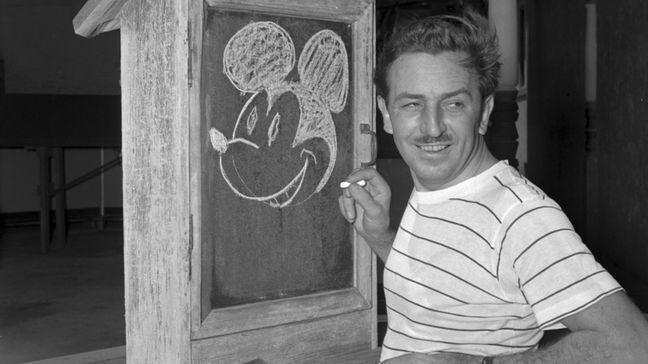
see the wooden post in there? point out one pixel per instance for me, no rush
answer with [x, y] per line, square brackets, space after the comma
[59, 197]
[44, 189]
[502, 134]
[591, 150]
[154, 79]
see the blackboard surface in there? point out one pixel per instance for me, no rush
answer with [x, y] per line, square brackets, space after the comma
[277, 139]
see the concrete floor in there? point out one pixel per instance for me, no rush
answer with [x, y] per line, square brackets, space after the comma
[68, 301]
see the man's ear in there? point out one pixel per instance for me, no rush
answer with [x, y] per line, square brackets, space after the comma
[387, 125]
[487, 108]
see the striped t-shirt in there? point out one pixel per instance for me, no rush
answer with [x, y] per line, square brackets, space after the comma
[483, 267]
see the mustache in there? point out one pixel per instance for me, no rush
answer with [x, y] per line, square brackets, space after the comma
[427, 139]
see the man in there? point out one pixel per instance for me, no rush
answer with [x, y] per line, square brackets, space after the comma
[482, 262]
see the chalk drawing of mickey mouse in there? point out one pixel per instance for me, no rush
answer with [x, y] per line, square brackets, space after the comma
[257, 60]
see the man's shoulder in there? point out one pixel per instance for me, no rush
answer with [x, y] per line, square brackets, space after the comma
[507, 188]
[509, 181]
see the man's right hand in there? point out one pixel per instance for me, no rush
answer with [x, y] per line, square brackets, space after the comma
[367, 208]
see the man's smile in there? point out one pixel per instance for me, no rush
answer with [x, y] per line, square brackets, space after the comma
[432, 148]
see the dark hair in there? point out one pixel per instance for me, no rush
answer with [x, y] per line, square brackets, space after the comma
[470, 33]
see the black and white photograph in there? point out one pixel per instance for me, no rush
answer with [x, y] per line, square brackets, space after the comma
[323, 181]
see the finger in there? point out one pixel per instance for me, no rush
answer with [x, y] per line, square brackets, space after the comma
[365, 199]
[361, 173]
[374, 181]
[347, 208]
[346, 193]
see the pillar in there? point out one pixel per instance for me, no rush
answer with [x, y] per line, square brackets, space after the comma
[591, 156]
[502, 135]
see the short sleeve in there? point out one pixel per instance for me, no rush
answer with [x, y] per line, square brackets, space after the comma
[557, 273]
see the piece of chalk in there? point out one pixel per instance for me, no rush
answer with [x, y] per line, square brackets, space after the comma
[346, 184]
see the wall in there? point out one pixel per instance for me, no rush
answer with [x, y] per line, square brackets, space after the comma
[19, 180]
[556, 103]
[621, 121]
[617, 225]
[42, 55]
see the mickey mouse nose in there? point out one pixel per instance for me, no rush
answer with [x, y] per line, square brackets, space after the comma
[218, 140]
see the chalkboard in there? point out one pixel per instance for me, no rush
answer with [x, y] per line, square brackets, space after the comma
[278, 138]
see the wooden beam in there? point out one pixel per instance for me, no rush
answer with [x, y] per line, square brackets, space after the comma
[98, 16]
[155, 135]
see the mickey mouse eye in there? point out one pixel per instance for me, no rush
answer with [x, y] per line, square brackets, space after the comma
[273, 130]
[252, 120]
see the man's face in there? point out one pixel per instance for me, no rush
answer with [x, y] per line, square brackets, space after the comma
[434, 110]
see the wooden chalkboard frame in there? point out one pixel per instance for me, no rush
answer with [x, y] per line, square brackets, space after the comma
[347, 317]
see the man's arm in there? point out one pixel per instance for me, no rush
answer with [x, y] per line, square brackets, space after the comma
[612, 330]
[367, 208]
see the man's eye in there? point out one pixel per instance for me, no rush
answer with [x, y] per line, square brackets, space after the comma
[411, 105]
[455, 106]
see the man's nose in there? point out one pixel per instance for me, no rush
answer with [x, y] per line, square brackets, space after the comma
[432, 122]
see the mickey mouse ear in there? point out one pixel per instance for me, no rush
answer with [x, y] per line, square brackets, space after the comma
[324, 68]
[258, 55]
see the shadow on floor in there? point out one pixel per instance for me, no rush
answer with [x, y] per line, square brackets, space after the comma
[68, 301]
